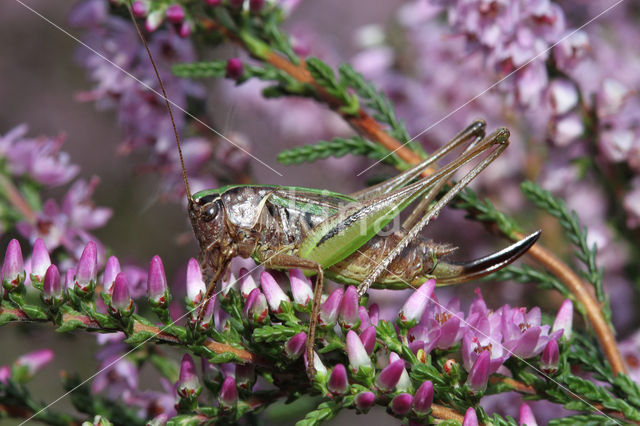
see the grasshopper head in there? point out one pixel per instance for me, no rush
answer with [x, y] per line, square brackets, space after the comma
[207, 215]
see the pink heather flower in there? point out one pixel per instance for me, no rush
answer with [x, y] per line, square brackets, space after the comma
[5, 374]
[421, 337]
[175, 13]
[356, 352]
[415, 305]
[272, 291]
[111, 269]
[247, 283]
[88, 13]
[196, 287]
[13, 274]
[349, 313]
[563, 96]
[567, 129]
[570, 51]
[256, 308]
[364, 401]
[40, 261]
[470, 418]
[330, 308]
[235, 69]
[522, 332]
[51, 288]
[188, 384]
[368, 338]
[300, 287]
[564, 319]
[549, 357]
[338, 384]
[207, 317]
[474, 343]
[87, 270]
[479, 374]
[120, 298]
[118, 376]
[296, 345]
[154, 20]
[390, 376]
[449, 320]
[526, 416]
[157, 288]
[423, 398]
[34, 361]
[401, 404]
[140, 8]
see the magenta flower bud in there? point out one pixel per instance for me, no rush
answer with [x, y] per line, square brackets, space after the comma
[51, 288]
[207, 317]
[300, 288]
[415, 305]
[5, 374]
[140, 8]
[479, 374]
[423, 398]
[338, 383]
[564, 319]
[272, 291]
[404, 384]
[390, 376]
[13, 273]
[356, 352]
[401, 404]
[549, 358]
[157, 288]
[256, 6]
[120, 299]
[235, 68]
[196, 287]
[154, 20]
[175, 14]
[321, 370]
[364, 401]
[364, 317]
[40, 261]
[87, 270]
[368, 338]
[185, 29]
[330, 308]
[526, 416]
[247, 283]
[188, 383]
[470, 418]
[34, 361]
[228, 396]
[111, 269]
[256, 308]
[349, 312]
[295, 346]
[214, 2]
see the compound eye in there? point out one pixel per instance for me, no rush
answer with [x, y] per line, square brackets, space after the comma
[210, 211]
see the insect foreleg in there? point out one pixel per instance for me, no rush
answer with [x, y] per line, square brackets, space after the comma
[211, 288]
[498, 140]
[289, 261]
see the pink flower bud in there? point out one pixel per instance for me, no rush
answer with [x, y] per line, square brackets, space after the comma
[51, 288]
[390, 376]
[338, 383]
[401, 404]
[470, 418]
[122, 302]
[196, 287]
[13, 274]
[423, 398]
[526, 416]
[364, 401]
[157, 288]
[349, 315]
[296, 345]
[40, 261]
[272, 291]
[140, 8]
[175, 14]
[368, 338]
[356, 352]
[87, 270]
[228, 396]
[330, 308]
[564, 319]
[415, 305]
[111, 269]
[34, 361]
[479, 374]
[235, 68]
[188, 383]
[300, 287]
[549, 358]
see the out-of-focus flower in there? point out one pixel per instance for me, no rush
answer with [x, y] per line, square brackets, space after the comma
[118, 376]
[33, 362]
[235, 68]
[526, 417]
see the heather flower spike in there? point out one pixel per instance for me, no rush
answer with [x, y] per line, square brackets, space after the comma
[40, 261]
[300, 288]
[295, 345]
[564, 319]
[120, 299]
[356, 352]
[87, 270]
[272, 291]
[157, 288]
[349, 317]
[111, 269]
[13, 274]
[52, 293]
[479, 374]
[196, 287]
[415, 305]
[401, 404]
[188, 385]
[330, 308]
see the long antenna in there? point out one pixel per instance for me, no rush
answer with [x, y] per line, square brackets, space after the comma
[166, 100]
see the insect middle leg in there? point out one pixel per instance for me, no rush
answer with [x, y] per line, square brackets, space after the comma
[288, 261]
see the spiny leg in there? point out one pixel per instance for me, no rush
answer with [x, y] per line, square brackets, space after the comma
[211, 288]
[469, 136]
[498, 140]
[289, 261]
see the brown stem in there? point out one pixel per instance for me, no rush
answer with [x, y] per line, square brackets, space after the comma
[16, 199]
[90, 324]
[445, 413]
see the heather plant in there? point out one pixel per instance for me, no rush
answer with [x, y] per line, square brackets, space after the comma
[565, 90]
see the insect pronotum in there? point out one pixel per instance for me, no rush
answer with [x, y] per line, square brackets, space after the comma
[338, 235]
